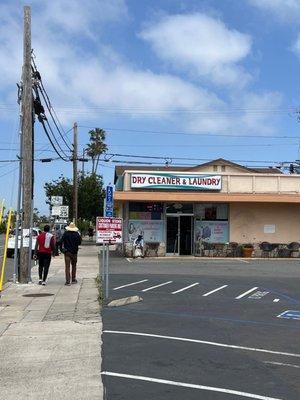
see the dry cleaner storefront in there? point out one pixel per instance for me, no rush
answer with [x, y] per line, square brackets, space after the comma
[177, 211]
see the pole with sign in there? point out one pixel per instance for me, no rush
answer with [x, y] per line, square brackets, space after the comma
[108, 231]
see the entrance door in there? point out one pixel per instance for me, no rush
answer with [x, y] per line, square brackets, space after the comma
[179, 235]
[185, 235]
[172, 235]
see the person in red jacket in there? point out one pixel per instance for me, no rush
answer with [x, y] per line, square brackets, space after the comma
[44, 248]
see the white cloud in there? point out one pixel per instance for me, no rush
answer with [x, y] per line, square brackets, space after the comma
[201, 44]
[284, 10]
[296, 46]
[85, 78]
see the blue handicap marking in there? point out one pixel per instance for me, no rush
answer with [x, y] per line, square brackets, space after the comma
[291, 314]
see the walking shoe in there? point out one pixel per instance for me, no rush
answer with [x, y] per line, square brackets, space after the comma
[67, 284]
[74, 280]
[40, 281]
[44, 283]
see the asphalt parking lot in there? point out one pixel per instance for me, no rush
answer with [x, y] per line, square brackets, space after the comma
[206, 329]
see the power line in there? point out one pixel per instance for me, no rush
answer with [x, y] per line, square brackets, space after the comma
[195, 134]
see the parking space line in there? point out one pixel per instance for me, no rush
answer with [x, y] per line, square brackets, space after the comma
[217, 344]
[130, 284]
[215, 290]
[156, 286]
[185, 288]
[241, 260]
[189, 385]
[245, 294]
[282, 364]
[128, 259]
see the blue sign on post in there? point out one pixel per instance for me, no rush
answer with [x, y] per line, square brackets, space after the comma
[109, 201]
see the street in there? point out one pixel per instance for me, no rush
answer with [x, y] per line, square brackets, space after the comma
[205, 329]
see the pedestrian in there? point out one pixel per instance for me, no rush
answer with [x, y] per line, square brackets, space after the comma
[138, 250]
[91, 233]
[44, 248]
[69, 243]
[58, 236]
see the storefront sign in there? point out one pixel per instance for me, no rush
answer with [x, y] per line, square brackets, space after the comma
[179, 182]
[152, 231]
[211, 231]
[108, 230]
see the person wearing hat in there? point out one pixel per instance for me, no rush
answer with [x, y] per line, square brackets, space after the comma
[69, 243]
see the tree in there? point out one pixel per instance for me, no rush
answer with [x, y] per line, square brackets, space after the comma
[96, 147]
[90, 195]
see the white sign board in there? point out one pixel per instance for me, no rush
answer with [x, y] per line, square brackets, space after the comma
[109, 230]
[269, 228]
[56, 200]
[176, 181]
[55, 211]
[64, 212]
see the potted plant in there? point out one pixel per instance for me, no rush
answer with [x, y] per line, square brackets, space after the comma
[247, 250]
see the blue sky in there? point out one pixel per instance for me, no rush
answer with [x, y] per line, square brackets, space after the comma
[223, 73]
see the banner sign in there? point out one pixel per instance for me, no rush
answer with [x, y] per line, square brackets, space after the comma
[151, 230]
[179, 182]
[212, 231]
[108, 230]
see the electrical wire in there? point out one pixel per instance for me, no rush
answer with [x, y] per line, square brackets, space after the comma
[50, 140]
[195, 134]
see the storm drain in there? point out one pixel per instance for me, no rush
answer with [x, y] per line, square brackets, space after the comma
[38, 294]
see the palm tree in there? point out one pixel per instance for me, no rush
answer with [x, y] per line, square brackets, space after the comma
[96, 147]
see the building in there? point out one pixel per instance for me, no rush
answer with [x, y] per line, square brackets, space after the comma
[200, 210]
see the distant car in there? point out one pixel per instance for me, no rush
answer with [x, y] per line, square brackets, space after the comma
[12, 239]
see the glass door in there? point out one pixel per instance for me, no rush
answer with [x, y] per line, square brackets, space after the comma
[172, 235]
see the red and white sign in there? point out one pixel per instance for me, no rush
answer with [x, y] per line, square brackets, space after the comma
[109, 230]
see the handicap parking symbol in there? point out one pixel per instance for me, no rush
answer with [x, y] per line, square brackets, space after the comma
[290, 314]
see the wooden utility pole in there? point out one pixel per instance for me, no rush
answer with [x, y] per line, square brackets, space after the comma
[75, 177]
[27, 145]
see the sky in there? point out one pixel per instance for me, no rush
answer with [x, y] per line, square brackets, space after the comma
[185, 81]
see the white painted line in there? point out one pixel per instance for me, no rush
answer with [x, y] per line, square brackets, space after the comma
[282, 364]
[154, 287]
[128, 259]
[215, 290]
[186, 288]
[245, 294]
[276, 300]
[130, 284]
[244, 261]
[189, 385]
[231, 346]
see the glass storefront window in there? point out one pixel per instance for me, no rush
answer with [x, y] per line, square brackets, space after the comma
[145, 211]
[180, 208]
[211, 212]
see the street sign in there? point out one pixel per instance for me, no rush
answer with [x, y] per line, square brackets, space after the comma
[56, 200]
[55, 211]
[108, 230]
[109, 201]
[290, 314]
[64, 212]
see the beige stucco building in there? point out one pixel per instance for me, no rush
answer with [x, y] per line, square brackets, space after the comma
[186, 211]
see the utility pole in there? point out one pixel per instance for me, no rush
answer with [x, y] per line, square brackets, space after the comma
[27, 144]
[75, 177]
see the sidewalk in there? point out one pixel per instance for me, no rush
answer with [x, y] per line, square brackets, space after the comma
[50, 345]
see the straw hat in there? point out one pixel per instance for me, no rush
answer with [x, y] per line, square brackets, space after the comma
[72, 227]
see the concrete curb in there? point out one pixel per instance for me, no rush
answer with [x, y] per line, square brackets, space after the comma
[124, 301]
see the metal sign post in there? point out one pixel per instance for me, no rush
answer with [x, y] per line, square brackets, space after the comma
[108, 231]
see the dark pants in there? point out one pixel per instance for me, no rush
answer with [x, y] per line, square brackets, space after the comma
[57, 248]
[70, 259]
[44, 264]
